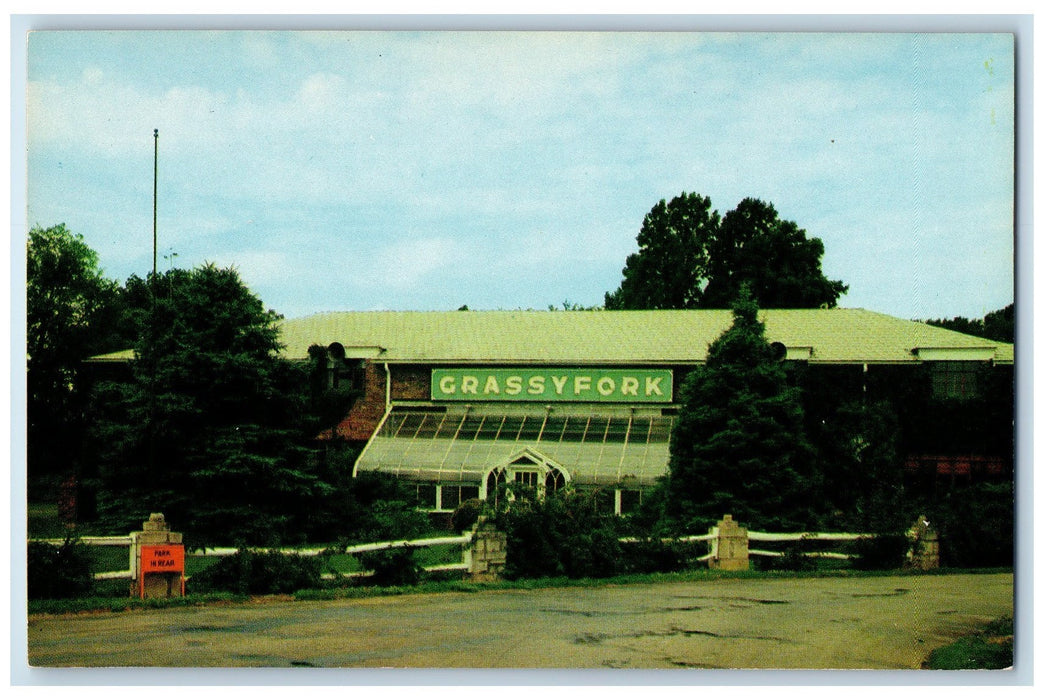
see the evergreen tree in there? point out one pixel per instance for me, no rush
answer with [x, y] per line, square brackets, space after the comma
[739, 446]
[209, 430]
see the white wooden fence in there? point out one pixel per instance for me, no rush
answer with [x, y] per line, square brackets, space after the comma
[754, 536]
[712, 538]
[125, 541]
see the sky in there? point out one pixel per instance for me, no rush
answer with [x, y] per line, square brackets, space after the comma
[502, 170]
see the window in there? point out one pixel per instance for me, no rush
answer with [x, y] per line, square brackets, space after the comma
[553, 428]
[553, 481]
[470, 427]
[630, 500]
[429, 425]
[955, 380]
[575, 429]
[531, 428]
[494, 482]
[511, 427]
[617, 430]
[454, 495]
[527, 478]
[490, 428]
[448, 428]
[426, 496]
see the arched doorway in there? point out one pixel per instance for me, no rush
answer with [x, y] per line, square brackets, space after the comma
[528, 470]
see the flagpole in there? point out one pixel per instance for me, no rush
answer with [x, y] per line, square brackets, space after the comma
[155, 169]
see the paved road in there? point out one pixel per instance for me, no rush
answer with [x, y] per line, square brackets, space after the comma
[876, 623]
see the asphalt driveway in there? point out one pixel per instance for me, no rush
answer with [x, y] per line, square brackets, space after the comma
[890, 622]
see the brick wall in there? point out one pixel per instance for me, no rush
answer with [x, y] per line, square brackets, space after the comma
[368, 410]
[411, 383]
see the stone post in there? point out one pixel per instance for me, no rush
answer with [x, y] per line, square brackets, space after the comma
[488, 552]
[732, 551]
[157, 560]
[924, 546]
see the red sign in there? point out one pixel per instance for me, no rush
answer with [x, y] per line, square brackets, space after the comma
[163, 558]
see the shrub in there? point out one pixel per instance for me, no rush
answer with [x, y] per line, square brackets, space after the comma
[466, 514]
[392, 520]
[885, 551]
[794, 559]
[653, 555]
[976, 526]
[259, 572]
[58, 572]
[392, 567]
[566, 533]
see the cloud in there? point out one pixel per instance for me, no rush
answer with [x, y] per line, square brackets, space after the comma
[405, 263]
[429, 164]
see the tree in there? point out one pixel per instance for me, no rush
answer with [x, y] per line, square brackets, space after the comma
[861, 467]
[739, 446]
[690, 258]
[669, 270]
[70, 312]
[776, 258]
[211, 428]
[996, 325]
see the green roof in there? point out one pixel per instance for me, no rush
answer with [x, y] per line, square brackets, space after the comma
[833, 336]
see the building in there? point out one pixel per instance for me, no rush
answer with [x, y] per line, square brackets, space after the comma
[460, 403]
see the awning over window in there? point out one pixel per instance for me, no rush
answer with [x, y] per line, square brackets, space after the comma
[460, 448]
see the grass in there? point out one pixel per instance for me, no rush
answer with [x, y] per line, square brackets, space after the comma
[992, 647]
[43, 521]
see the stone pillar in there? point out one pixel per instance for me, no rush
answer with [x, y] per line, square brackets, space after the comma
[488, 552]
[732, 547]
[924, 546]
[157, 560]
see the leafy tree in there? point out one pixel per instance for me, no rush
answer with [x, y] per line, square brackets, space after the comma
[209, 430]
[739, 446]
[670, 268]
[996, 325]
[862, 469]
[1000, 324]
[691, 258]
[70, 311]
[780, 263]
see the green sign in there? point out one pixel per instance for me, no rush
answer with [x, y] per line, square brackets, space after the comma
[549, 385]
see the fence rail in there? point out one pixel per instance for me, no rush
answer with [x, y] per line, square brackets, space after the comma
[794, 536]
[124, 541]
[754, 536]
[728, 546]
[113, 541]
